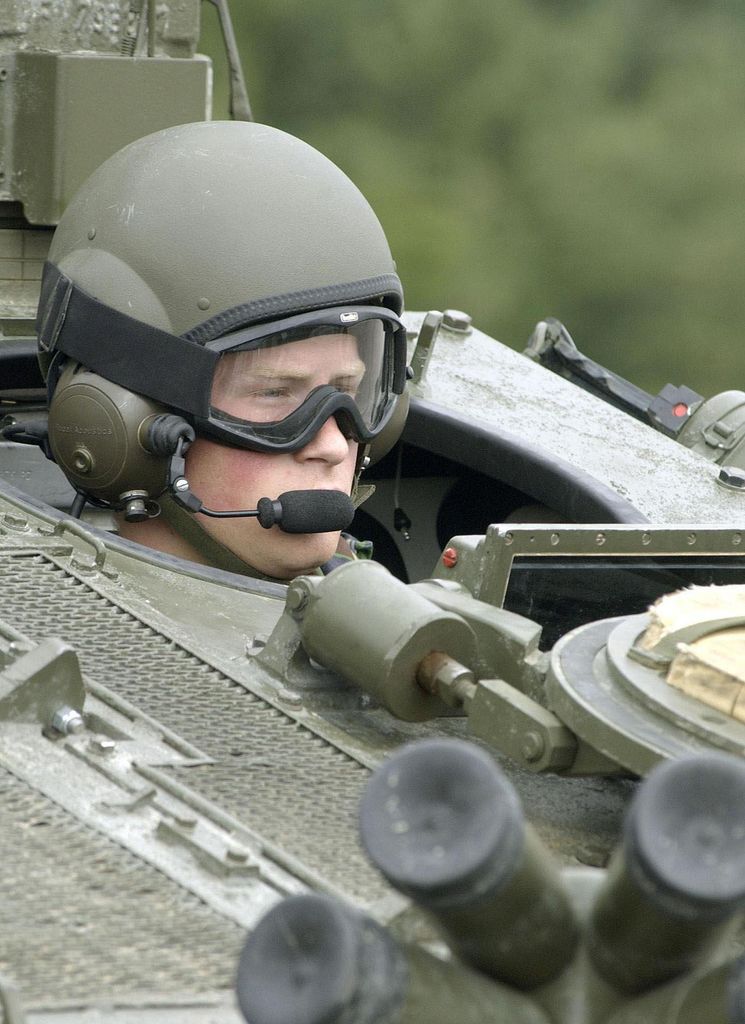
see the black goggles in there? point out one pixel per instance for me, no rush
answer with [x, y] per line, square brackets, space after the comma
[275, 385]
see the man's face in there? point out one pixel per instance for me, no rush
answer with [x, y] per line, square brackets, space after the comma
[263, 386]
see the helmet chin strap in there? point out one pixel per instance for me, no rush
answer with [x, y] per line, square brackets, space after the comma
[187, 525]
[361, 492]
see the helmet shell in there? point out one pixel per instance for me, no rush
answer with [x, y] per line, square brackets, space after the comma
[191, 221]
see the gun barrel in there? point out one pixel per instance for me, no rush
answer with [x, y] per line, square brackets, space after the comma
[444, 825]
[679, 878]
[312, 960]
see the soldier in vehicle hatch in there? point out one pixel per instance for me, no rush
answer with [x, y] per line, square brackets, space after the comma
[219, 323]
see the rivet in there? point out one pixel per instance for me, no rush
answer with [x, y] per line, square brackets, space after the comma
[91, 233]
[203, 303]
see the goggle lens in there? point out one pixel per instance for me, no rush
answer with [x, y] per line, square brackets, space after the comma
[266, 380]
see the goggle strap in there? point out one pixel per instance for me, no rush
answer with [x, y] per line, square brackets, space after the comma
[126, 351]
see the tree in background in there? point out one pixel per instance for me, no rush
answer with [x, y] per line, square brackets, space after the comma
[577, 158]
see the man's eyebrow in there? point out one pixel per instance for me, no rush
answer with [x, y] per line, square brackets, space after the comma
[356, 369]
[267, 373]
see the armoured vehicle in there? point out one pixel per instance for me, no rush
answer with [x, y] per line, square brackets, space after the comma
[183, 750]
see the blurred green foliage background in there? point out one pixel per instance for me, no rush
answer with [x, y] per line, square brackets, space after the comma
[583, 159]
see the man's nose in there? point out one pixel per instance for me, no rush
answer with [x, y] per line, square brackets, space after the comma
[328, 444]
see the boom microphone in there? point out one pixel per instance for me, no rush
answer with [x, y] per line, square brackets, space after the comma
[293, 512]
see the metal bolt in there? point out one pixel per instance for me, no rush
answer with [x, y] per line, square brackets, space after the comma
[181, 484]
[237, 856]
[17, 648]
[533, 746]
[732, 477]
[456, 320]
[185, 822]
[101, 745]
[67, 720]
[290, 698]
[254, 645]
[296, 599]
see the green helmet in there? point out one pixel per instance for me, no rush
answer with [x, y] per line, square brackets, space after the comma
[184, 252]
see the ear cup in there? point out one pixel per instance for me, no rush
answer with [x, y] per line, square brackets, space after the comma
[96, 430]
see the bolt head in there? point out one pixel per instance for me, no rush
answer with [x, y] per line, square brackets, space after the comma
[185, 822]
[296, 599]
[533, 746]
[102, 745]
[67, 721]
[456, 320]
[237, 856]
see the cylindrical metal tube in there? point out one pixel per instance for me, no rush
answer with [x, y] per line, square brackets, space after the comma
[382, 653]
[674, 886]
[445, 827]
[312, 960]
[716, 998]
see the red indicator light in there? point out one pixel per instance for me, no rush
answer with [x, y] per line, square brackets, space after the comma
[680, 409]
[449, 557]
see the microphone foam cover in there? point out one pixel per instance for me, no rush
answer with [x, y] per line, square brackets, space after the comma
[315, 511]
